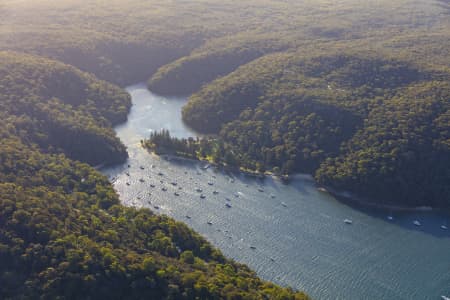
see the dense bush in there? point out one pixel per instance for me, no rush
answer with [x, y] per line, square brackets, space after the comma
[367, 124]
[63, 232]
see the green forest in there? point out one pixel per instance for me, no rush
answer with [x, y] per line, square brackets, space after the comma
[63, 232]
[359, 123]
[355, 93]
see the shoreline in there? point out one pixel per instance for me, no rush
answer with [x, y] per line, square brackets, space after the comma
[219, 166]
[348, 197]
[341, 196]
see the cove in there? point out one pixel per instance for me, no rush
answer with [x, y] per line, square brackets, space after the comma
[292, 234]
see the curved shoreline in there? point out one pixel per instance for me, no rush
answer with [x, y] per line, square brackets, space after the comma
[342, 196]
[348, 197]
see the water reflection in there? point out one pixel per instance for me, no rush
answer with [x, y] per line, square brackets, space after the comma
[292, 234]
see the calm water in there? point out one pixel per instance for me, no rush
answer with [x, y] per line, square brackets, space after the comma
[298, 232]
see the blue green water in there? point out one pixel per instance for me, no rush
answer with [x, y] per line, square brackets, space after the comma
[298, 233]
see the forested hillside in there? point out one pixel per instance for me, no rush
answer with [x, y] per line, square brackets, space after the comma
[61, 109]
[368, 124]
[354, 92]
[402, 150]
[63, 232]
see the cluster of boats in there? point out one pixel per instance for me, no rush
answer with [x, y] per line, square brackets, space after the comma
[228, 205]
[198, 190]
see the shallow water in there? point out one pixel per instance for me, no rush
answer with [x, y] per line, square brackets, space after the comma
[298, 233]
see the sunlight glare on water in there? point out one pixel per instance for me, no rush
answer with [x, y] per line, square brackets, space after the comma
[291, 234]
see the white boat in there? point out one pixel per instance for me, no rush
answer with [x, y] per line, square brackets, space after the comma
[261, 190]
[202, 196]
[445, 297]
[417, 223]
[445, 228]
[215, 192]
[390, 218]
[284, 204]
[198, 190]
[348, 221]
[209, 223]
